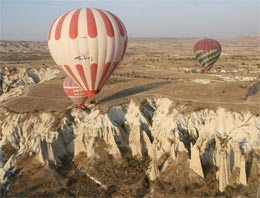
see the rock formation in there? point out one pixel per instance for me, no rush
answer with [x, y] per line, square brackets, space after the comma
[195, 163]
[193, 140]
[129, 130]
[13, 80]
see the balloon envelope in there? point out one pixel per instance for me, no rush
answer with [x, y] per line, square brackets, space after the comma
[207, 52]
[88, 44]
[74, 92]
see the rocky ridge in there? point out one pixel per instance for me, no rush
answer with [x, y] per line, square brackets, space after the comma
[226, 140]
[14, 79]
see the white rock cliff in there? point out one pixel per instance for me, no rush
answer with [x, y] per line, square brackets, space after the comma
[207, 136]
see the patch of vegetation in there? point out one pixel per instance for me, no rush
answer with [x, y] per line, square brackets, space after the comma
[8, 150]
[129, 53]
[123, 178]
[34, 179]
[132, 75]
[230, 191]
[114, 80]
[243, 86]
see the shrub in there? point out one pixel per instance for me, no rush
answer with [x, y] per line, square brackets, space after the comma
[229, 191]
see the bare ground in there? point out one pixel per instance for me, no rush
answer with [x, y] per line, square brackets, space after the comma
[151, 68]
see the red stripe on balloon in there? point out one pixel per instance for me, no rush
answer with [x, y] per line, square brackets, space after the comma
[74, 25]
[59, 26]
[111, 72]
[114, 68]
[124, 49]
[75, 93]
[70, 82]
[107, 22]
[73, 84]
[49, 36]
[67, 81]
[120, 26]
[91, 22]
[72, 75]
[93, 68]
[106, 67]
[68, 91]
[67, 88]
[82, 75]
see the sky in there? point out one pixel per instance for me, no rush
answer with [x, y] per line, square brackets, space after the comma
[31, 19]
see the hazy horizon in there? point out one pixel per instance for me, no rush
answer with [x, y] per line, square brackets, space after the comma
[30, 20]
[218, 38]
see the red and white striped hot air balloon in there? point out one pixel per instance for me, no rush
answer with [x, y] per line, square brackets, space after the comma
[74, 92]
[88, 45]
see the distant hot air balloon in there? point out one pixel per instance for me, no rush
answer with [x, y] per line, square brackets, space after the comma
[88, 44]
[207, 52]
[74, 92]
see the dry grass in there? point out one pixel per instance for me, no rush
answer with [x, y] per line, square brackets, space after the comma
[35, 180]
[47, 96]
[121, 178]
[31, 180]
